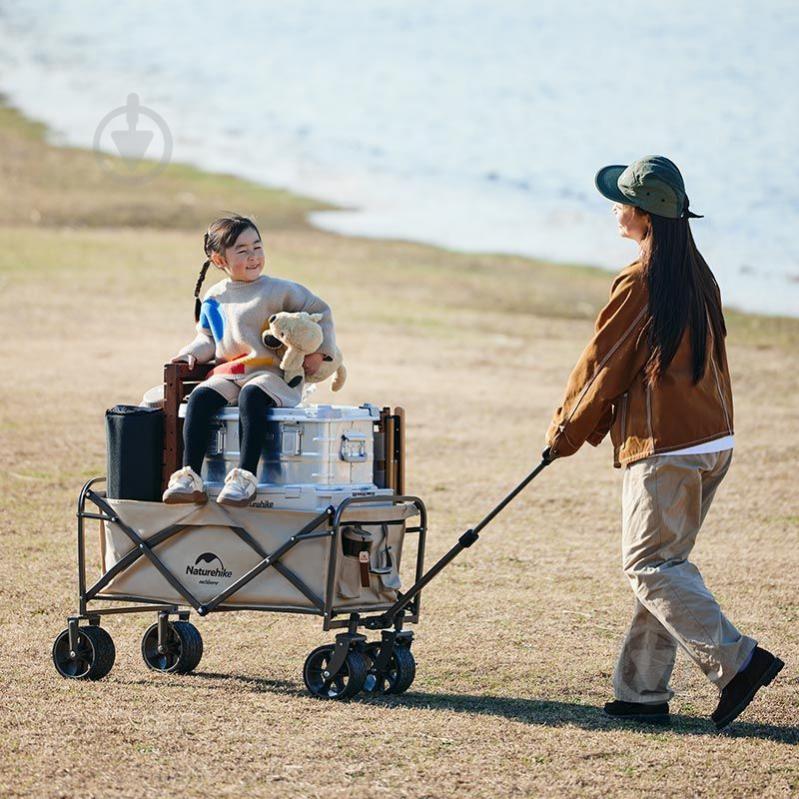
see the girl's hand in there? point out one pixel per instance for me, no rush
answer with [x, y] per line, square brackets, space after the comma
[312, 362]
[189, 359]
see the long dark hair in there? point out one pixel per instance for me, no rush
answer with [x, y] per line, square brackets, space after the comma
[221, 234]
[682, 292]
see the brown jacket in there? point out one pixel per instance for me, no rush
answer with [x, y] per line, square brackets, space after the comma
[607, 390]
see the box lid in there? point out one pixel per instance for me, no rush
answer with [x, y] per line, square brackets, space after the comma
[303, 413]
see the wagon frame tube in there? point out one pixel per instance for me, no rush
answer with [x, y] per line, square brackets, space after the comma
[335, 518]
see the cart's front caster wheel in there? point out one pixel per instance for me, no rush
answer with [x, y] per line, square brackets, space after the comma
[181, 653]
[92, 659]
[344, 685]
[398, 676]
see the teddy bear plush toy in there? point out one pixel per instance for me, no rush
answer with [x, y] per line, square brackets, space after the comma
[299, 334]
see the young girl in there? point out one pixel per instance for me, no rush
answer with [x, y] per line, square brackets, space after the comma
[655, 374]
[230, 321]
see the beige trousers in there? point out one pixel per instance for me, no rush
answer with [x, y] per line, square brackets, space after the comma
[665, 499]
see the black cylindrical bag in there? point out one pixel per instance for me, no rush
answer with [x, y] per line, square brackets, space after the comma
[135, 439]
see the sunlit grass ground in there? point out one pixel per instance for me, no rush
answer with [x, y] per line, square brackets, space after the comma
[518, 637]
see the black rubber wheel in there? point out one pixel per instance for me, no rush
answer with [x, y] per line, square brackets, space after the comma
[399, 675]
[182, 652]
[93, 658]
[344, 685]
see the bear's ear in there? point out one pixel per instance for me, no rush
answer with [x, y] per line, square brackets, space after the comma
[316, 317]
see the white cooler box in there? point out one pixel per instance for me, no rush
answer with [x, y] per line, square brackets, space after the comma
[317, 445]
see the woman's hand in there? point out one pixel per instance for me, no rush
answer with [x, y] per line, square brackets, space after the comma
[189, 359]
[312, 362]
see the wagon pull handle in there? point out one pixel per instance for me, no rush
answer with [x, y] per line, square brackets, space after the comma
[472, 535]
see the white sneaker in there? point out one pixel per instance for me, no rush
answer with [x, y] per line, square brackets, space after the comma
[239, 489]
[185, 485]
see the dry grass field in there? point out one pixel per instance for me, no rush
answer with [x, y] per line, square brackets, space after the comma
[518, 638]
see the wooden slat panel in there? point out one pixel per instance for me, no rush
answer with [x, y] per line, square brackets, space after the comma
[179, 380]
[400, 449]
[391, 458]
[171, 437]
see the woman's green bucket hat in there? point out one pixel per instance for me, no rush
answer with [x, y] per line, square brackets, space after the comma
[653, 184]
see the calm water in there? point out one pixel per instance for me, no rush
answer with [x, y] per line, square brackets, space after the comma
[475, 125]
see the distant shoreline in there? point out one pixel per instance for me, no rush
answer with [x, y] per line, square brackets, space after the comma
[284, 210]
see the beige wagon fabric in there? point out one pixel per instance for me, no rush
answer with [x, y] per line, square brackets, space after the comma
[208, 556]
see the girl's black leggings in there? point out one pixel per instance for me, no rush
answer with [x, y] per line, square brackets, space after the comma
[203, 403]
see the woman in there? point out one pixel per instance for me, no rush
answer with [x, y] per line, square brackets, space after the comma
[655, 375]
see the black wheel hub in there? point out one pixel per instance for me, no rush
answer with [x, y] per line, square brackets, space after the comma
[345, 684]
[161, 658]
[73, 663]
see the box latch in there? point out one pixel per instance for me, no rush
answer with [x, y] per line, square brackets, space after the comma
[353, 447]
[291, 440]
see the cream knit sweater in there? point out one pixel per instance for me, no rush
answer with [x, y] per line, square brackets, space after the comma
[233, 315]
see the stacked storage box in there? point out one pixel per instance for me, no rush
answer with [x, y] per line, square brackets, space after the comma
[313, 457]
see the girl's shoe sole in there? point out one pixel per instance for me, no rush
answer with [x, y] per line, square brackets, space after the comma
[196, 498]
[236, 503]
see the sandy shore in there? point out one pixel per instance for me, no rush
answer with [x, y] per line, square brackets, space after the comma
[518, 637]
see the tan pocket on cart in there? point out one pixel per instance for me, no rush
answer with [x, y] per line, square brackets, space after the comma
[369, 563]
[384, 561]
[356, 545]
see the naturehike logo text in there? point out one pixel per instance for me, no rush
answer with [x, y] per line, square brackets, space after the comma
[198, 570]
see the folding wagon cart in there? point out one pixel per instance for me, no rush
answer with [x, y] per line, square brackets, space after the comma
[341, 562]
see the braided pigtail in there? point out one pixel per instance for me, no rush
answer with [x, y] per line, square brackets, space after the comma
[197, 303]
